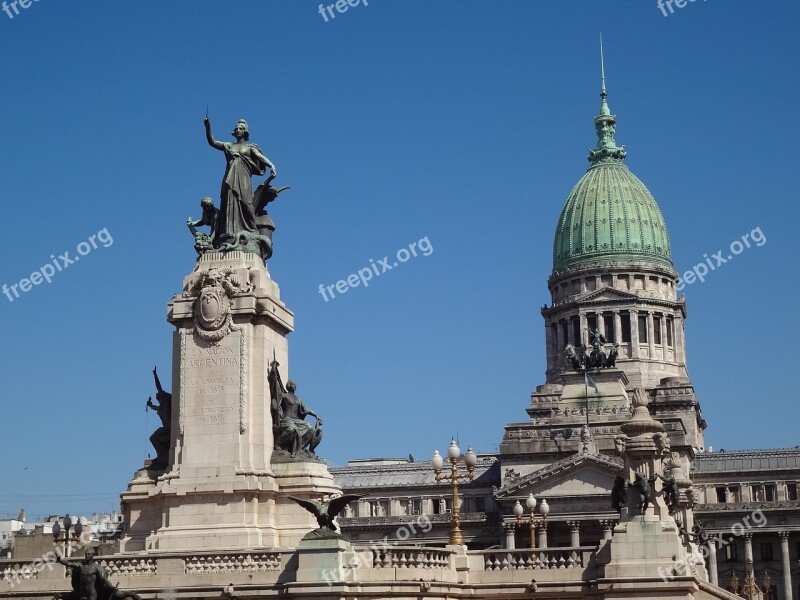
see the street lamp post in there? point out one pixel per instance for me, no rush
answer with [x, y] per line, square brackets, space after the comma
[62, 535]
[750, 589]
[470, 460]
[531, 521]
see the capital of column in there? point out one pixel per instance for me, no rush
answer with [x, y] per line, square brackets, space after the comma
[509, 527]
[607, 524]
[574, 526]
[748, 537]
[784, 536]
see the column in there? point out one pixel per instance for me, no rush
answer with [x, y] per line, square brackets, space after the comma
[787, 566]
[712, 562]
[551, 350]
[598, 316]
[608, 528]
[541, 531]
[583, 323]
[650, 337]
[634, 333]
[680, 340]
[427, 506]
[574, 533]
[510, 531]
[748, 546]
[617, 328]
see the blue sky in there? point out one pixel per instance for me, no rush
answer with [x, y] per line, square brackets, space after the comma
[465, 122]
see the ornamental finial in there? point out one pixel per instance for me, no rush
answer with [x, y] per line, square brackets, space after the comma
[605, 123]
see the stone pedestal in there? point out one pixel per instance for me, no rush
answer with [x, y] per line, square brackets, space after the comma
[647, 542]
[220, 491]
[645, 546]
[325, 561]
[610, 393]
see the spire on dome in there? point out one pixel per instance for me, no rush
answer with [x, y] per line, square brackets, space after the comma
[605, 123]
[604, 110]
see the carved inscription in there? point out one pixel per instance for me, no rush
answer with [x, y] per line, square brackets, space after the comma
[212, 380]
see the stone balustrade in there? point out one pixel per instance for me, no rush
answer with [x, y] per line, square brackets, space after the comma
[240, 562]
[17, 570]
[412, 557]
[122, 567]
[546, 558]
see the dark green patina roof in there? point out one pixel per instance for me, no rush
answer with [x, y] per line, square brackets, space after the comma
[610, 217]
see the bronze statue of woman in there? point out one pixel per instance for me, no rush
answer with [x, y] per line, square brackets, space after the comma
[244, 160]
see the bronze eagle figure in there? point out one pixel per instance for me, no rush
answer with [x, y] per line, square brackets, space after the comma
[326, 512]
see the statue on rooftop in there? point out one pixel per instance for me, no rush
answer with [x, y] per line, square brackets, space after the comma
[574, 356]
[597, 340]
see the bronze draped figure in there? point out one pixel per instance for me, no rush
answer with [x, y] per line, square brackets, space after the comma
[241, 222]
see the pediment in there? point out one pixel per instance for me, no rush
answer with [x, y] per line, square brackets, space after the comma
[607, 294]
[577, 475]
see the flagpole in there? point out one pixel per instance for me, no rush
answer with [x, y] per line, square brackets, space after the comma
[586, 391]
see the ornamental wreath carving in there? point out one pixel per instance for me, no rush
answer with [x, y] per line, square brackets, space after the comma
[212, 309]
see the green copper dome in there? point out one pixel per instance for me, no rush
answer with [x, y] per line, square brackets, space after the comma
[610, 217]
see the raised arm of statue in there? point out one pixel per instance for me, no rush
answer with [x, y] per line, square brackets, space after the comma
[210, 138]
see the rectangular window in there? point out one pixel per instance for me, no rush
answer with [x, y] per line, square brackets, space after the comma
[437, 506]
[670, 331]
[766, 551]
[734, 493]
[770, 492]
[625, 321]
[731, 553]
[416, 506]
[591, 322]
[608, 324]
[564, 333]
[657, 330]
[721, 495]
[480, 504]
[757, 493]
[642, 329]
[791, 491]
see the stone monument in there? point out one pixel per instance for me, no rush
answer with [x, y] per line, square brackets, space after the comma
[652, 497]
[217, 487]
